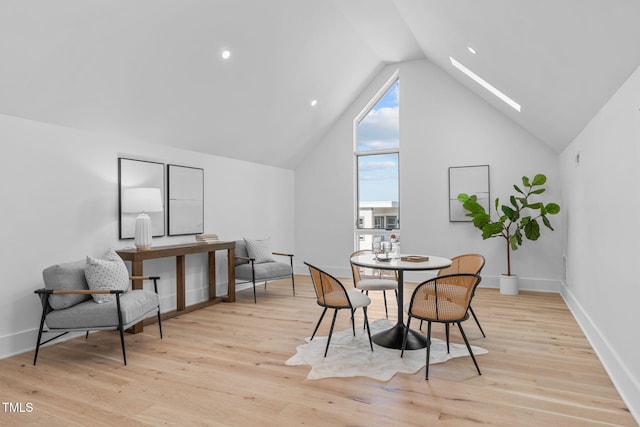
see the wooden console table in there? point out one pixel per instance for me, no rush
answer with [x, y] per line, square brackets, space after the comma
[137, 257]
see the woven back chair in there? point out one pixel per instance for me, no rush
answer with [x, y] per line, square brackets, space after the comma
[331, 293]
[373, 280]
[443, 299]
[467, 263]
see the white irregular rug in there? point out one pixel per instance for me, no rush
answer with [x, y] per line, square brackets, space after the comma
[350, 356]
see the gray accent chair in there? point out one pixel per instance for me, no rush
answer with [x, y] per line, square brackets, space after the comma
[67, 305]
[247, 270]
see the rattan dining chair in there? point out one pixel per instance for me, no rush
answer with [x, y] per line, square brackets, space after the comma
[374, 281]
[331, 293]
[442, 299]
[467, 263]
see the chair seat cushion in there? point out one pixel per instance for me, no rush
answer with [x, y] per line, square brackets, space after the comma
[358, 299]
[447, 310]
[337, 299]
[134, 305]
[264, 271]
[377, 284]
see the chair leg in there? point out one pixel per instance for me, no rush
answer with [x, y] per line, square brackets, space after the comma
[469, 348]
[366, 322]
[86, 335]
[333, 322]
[446, 332]
[121, 329]
[353, 321]
[426, 372]
[318, 324]
[476, 319]
[159, 322]
[155, 288]
[386, 311]
[124, 354]
[420, 324]
[253, 280]
[44, 314]
[293, 280]
[254, 292]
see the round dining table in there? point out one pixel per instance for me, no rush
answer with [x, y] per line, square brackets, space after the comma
[392, 337]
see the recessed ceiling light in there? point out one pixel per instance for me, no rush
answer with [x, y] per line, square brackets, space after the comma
[472, 50]
[513, 104]
[226, 54]
[314, 102]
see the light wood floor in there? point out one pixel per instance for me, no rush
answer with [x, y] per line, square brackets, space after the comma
[224, 365]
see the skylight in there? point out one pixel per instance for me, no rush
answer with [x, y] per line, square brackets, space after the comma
[485, 84]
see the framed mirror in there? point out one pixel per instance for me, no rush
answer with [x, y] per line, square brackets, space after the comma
[470, 180]
[139, 174]
[185, 201]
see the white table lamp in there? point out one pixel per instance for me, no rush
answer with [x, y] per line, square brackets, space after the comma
[142, 201]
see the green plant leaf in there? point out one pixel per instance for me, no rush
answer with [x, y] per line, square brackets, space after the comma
[493, 229]
[518, 189]
[497, 203]
[532, 230]
[546, 222]
[510, 213]
[513, 201]
[552, 208]
[513, 241]
[539, 191]
[463, 197]
[537, 205]
[480, 220]
[518, 235]
[525, 181]
[539, 179]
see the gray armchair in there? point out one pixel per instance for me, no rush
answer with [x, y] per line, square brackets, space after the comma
[254, 262]
[69, 305]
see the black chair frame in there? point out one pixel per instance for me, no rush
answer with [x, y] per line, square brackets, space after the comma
[253, 274]
[335, 312]
[447, 323]
[46, 308]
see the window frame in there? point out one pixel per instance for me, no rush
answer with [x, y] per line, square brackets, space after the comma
[360, 232]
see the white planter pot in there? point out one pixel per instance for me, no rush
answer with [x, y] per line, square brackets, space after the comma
[509, 284]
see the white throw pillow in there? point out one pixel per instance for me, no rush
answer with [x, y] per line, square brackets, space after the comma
[260, 250]
[107, 272]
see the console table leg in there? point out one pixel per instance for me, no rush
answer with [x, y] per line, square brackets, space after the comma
[180, 285]
[136, 270]
[212, 275]
[231, 276]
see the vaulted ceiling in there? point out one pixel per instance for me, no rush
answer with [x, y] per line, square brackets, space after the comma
[151, 70]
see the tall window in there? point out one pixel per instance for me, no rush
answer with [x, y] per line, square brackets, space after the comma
[377, 149]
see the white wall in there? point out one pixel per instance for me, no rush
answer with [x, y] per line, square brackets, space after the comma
[601, 204]
[442, 124]
[60, 203]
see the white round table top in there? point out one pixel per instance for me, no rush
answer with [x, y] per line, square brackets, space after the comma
[369, 260]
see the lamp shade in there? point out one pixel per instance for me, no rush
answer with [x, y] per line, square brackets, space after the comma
[136, 200]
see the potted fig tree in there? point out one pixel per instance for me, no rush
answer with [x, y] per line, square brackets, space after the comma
[518, 220]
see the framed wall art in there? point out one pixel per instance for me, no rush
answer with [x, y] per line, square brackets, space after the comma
[139, 174]
[470, 180]
[185, 200]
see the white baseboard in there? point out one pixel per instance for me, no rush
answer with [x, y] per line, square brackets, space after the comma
[624, 382]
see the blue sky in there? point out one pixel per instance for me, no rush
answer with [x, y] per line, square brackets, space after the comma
[379, 130]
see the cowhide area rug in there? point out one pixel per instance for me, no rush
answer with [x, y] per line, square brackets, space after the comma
[350, 356]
